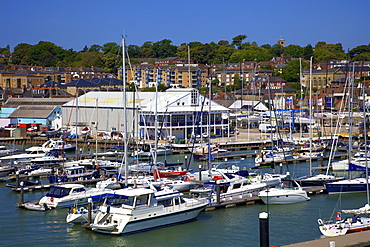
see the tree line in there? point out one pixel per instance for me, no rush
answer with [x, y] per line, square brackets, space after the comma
[109, 55]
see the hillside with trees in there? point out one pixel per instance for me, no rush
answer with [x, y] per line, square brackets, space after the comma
[109, 55]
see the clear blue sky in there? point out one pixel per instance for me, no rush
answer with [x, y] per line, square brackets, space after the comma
[72, 24]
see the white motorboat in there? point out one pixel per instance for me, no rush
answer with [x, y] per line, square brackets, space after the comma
[283, 195]
[231, 186]
[161, 150]
[26, 156]
[129, 210]
[51, 157]
[60, 196]
[7, 151]
[57, 145]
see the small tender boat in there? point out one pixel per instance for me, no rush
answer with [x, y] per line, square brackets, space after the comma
[81, 215]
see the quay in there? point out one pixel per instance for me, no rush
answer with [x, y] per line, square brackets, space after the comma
[356, 239]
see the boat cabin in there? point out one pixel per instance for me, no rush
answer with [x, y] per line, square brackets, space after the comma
[131, 199]
[65, 190]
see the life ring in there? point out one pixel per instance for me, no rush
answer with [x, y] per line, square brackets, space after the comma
[51, 199]
[320, 222]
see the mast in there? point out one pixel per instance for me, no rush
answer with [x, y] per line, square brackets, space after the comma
[124, 111]
[311, 116]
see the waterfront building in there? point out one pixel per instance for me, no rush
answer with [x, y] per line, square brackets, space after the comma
[181, 113]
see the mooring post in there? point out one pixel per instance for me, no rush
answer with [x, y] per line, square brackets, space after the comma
[218, 191]
[264, 229]
[200, 172]
[17, 181]
[89, 210]
[22, 196]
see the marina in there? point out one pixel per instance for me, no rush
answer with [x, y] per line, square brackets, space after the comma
[241, 213]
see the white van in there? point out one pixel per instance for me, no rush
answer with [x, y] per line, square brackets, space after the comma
[266, 128]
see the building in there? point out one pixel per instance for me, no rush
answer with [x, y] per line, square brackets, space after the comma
[179, 113]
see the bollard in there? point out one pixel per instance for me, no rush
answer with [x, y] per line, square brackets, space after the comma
[89, 209]
[332, 243]
[264, 229]
[200, 172]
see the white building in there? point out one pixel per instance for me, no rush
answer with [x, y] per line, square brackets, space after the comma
[180, 113]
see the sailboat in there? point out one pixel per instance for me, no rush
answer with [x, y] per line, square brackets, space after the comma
[319, 179]
[354, 223]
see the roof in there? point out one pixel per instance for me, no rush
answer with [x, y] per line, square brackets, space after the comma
[33, 111]
[14, 102]
[174, 100]
[51, 84]
[134, 192]
[81, 83]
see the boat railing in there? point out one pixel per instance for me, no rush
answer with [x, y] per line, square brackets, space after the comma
[195, 202]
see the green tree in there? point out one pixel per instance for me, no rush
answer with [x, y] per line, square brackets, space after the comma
[45, 54]
[238, 41]
[291, 71]
[96, 48]
[326, 52]
[307, 52]
[147, 53]
[250, 54]
[20, 52]
[164, 48]
[112, 47]
[360, 53]
[111, 62]
[293, 51]
[90, 59]
[133, 51]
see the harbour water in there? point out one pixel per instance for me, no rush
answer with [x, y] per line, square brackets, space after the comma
[238, 226]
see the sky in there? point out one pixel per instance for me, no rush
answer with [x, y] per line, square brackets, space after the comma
[74, 24]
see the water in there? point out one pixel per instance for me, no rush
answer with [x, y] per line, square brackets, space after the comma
[238, 226]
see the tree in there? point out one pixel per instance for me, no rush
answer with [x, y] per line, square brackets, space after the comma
[96, 48]
[238, 41]
[360, 53]
[291, 71]
[45, 54]
[110, 62]
[293, 51]
[147, 53]
[164, 48]
[20, 52]
[133, 51]
[307, 52]
[325, 52]
[112, 47]
[250, 54]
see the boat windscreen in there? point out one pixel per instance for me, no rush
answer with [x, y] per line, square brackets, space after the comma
[58, 192]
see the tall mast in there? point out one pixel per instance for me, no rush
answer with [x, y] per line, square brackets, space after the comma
[124, 110]
[311, 116]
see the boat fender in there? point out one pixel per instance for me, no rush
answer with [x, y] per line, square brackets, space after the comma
[51, 199]
[320, 222]
[74, 210]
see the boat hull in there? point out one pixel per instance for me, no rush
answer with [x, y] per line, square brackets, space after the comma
[159, 221]
[283, 196]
